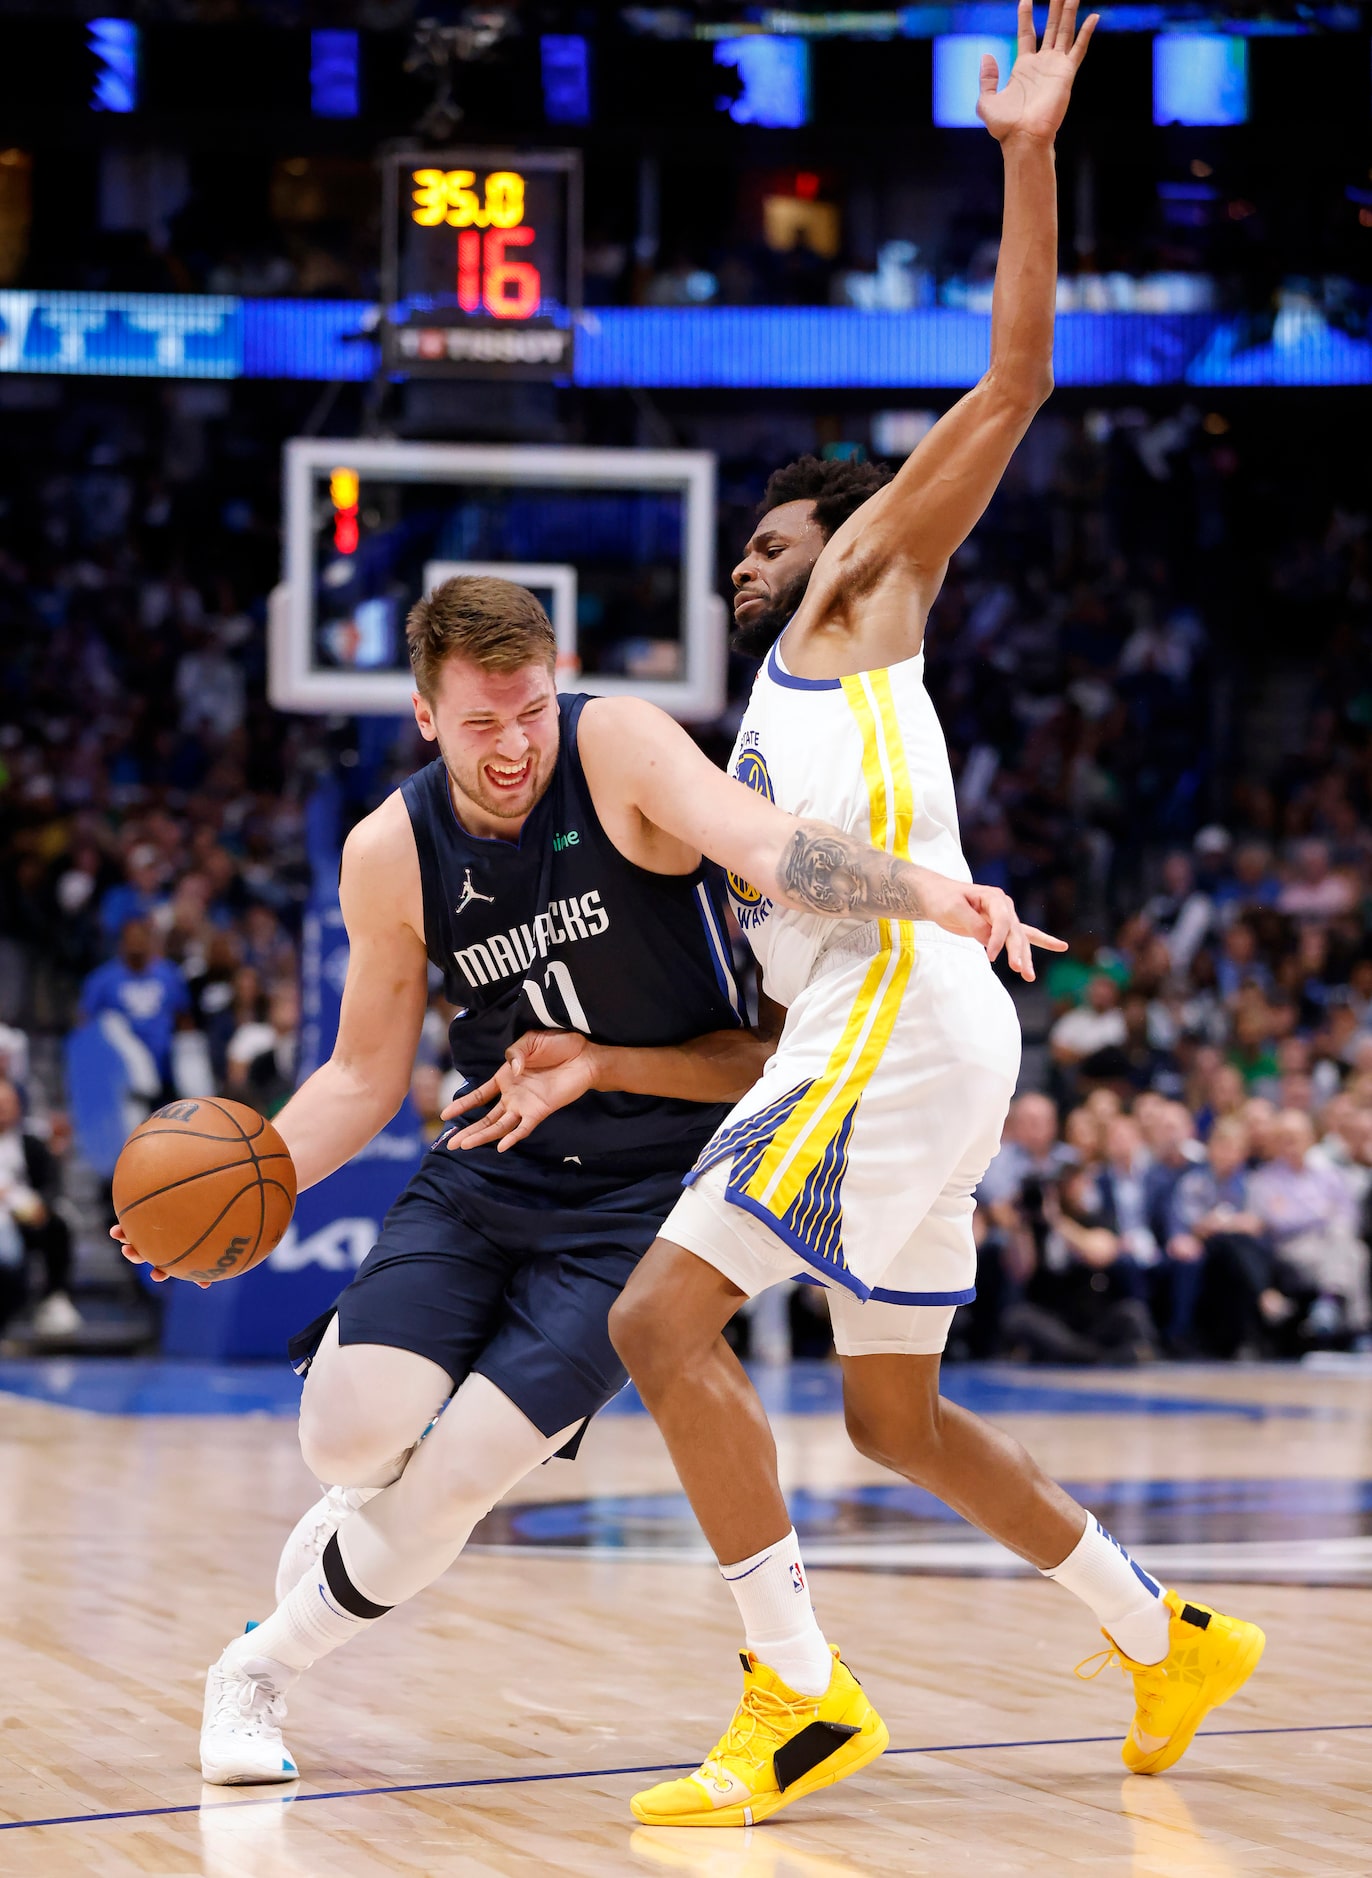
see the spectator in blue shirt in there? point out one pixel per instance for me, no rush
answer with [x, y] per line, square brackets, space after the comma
[147, 991]
[1254, 882]
[136, 897]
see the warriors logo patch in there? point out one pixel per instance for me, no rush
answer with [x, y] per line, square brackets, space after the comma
[750, 907]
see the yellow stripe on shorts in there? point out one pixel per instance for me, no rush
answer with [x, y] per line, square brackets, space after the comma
[800, 1143]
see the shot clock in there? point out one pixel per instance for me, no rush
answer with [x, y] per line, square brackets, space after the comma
[482, 263]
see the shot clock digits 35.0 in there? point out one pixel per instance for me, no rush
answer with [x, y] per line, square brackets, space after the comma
[482, 263]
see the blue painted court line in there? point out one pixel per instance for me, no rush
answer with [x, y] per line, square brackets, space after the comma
[111, 1385]
[816, 1388]
[612, 1773]
[1149, 1509]
[176, 1386]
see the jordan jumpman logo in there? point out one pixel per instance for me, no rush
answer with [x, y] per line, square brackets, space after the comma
[469, 893]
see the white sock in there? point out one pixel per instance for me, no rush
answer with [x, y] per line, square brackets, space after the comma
[315, 1616]
[778, 1619]
[1127, 1601]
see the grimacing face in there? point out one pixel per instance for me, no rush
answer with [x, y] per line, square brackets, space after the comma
[497, 733]
[770, 580]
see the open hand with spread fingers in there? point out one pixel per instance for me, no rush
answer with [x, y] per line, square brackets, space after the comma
[543, 1071]
[1034, 101]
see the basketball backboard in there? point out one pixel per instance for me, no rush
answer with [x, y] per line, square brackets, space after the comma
[553, 585]
[618, 544]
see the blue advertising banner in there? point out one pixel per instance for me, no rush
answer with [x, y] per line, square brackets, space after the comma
[336, 1222]
[125, 335]
[122, 335]
[97, 1082]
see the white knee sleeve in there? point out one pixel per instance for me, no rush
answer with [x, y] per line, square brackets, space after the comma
[363, 1408]
[480, 1447]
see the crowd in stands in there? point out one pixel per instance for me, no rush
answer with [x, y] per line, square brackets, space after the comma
[1183, 1192]
[1191, 1172]
[33, 1227]
[1187, 1170]
[152, 865]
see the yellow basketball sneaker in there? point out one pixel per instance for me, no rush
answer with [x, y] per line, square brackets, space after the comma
[1209, 1658]
[778, 1747]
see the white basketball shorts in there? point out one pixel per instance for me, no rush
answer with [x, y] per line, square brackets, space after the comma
[854, 1160]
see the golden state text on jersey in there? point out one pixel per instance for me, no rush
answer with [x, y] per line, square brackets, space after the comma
[750, 768]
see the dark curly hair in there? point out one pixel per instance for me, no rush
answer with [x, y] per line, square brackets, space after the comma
[837, 489]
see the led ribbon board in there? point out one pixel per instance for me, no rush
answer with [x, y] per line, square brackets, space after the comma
[482, 263]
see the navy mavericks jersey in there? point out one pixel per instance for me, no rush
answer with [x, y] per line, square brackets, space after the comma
[559, 931]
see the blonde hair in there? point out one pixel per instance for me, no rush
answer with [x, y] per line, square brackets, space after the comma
[495, 623]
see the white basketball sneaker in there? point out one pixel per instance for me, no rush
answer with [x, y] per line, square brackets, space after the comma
[313, 1531]
[240, 1735]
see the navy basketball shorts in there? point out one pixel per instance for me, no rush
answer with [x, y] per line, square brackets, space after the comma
[508, 1272]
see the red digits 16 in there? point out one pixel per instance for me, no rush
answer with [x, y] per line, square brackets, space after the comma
[509, 290]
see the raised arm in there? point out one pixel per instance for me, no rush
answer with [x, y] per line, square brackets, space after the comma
[929, 509]
[664, 804]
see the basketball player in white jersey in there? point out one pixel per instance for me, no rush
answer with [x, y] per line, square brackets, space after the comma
[854, 1160]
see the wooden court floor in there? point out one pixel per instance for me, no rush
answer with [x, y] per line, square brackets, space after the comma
[499, 1723]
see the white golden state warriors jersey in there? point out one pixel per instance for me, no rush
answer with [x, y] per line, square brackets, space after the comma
[862, 1141]
[865, 753]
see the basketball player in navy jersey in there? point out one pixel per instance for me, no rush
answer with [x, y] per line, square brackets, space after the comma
[549, 863]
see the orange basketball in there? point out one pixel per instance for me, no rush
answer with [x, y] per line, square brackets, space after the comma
[204, 1189]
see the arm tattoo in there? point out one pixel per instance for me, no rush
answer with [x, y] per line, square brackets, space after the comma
[829, 872]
